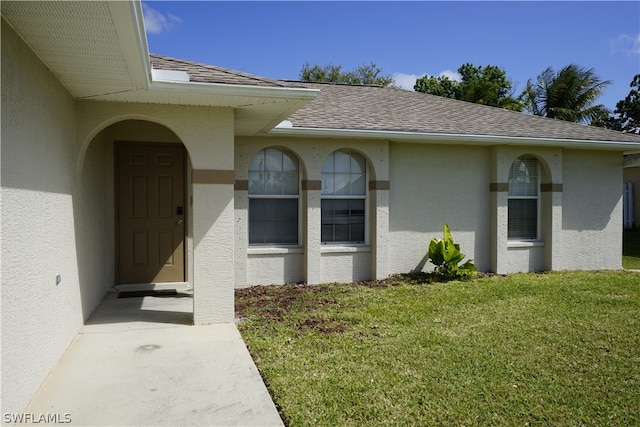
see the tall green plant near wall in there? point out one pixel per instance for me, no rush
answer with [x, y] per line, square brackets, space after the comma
[446, 256]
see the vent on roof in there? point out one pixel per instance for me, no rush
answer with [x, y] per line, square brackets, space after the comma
[169, 76]
[284, 124]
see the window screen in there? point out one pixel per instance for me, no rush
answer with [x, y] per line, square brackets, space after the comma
[523, 199]
[344, 193]
[273, 198]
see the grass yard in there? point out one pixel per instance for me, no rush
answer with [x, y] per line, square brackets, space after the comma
[527, 349]
[631, 249]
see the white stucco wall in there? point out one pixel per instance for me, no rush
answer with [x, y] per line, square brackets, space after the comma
[592, 210]
[94, 222]
[524, 257]
[346, 265]
[275, 266]
[432, 185]
[39, 241]
[58, 211]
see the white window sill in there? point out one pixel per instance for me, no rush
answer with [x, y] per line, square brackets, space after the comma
[274, 250]
[335, 249]
[525, 243]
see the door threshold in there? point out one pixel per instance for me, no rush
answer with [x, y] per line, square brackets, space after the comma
[128, 287]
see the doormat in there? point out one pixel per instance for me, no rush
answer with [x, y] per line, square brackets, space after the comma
[149, 293]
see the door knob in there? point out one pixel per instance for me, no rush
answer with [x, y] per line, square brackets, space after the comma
[179, 221]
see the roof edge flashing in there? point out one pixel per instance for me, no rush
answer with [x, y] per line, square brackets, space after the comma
[229, 89]
[466, 139]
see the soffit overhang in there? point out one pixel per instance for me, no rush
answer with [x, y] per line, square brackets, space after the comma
[93, 48]
[98, 51]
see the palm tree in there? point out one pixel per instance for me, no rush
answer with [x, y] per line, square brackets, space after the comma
[567, 95]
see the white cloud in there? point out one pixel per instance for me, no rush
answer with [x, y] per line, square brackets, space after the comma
[452, 75]
[627, 44]
[156, 22]
[407, 81]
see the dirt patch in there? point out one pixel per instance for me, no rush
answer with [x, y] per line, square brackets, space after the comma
[275, 301]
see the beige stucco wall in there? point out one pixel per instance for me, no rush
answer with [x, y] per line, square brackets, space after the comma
[39, 240]
[274, 266]
[310, 261]
[632, 174]
[510, 256]
[432, 185]
[592, 210]
[571, 218]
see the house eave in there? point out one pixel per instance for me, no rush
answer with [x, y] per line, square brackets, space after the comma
[257, 108]
[213, 94]
[276, 93]
[462, 139]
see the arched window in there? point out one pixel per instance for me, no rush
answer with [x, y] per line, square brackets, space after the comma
[273, 198]
[524, 190]
[344, 193]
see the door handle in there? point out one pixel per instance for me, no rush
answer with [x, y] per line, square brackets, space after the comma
[179, 222]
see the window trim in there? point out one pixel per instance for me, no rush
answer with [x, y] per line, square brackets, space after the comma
[285, 246]
[537, 239]
[365, 197]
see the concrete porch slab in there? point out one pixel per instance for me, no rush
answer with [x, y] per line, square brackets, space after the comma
[138, 362]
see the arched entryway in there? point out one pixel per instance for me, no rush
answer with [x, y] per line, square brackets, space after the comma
[207, 136]
[135, 186]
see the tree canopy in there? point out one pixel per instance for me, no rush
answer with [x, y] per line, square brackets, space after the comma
[626, 116]
[569, 94]
[486, 85]
[363, 75]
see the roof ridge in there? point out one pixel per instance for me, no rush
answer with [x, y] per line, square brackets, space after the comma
[332, 83]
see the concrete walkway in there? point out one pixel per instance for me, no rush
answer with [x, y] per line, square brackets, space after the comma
[138, 362]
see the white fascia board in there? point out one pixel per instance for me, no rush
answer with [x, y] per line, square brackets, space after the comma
[463, 139]
[234, 90]
[129, 24]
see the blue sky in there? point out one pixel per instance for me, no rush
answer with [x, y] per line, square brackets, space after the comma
[405, 39]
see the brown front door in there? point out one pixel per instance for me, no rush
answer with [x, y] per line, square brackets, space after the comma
[151, 212]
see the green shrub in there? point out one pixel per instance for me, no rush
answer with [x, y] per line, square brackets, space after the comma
[446, 256]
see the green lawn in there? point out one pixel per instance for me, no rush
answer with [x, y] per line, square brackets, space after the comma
[631, 249]
[527, 349]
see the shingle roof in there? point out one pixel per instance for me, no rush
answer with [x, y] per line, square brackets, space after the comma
[204, 73]
[351, 107]
[393, 109]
